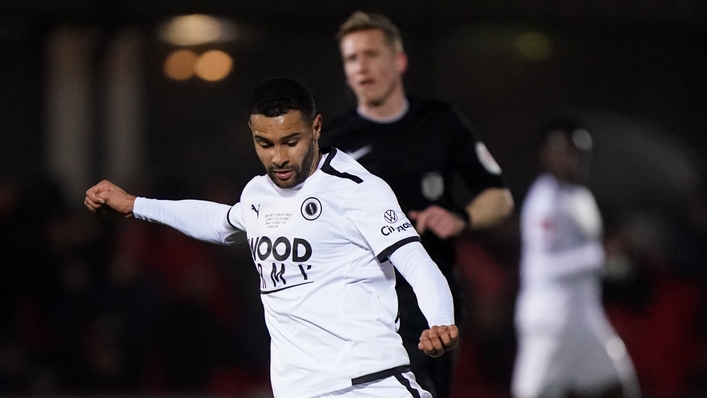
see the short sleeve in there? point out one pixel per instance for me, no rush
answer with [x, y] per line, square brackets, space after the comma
[235, 217]
[374, 212]
[472, 160]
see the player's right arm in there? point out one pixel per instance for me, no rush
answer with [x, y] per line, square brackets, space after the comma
[548, 241]
[202, 220]
[106, 195]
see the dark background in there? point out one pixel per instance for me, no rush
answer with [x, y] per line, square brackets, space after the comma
[92, 305]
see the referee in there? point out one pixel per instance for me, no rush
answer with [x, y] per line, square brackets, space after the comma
[417, 145]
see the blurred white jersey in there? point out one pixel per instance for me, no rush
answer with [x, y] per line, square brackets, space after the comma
[327, 287]
[565, 341]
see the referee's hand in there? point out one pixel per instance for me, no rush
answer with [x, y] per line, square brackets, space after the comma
[439, 220]
[437, 340]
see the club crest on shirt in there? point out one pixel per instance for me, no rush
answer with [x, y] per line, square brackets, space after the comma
[432, 185]
[311, 208]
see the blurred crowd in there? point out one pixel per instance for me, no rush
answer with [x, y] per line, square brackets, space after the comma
[90, 305]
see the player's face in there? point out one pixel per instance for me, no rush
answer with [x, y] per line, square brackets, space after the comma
[563, 159]
[373, 68]
[287, 145]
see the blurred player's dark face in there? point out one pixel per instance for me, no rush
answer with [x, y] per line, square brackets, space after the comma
[373, 68]
[563, 159]
[287, 145]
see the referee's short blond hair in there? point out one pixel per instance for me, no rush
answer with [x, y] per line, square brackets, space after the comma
[360, 20]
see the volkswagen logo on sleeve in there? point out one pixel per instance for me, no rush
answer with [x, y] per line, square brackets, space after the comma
[311, 208]
[390, 216]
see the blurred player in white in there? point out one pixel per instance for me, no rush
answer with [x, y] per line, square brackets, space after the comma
[566, 345]
[324, 234]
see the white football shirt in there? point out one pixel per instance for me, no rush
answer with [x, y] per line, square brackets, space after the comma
[561, 231]
[321, 250]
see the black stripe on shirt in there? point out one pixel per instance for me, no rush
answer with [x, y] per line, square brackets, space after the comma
[228, 217]
[405, 382]
[284, 288]
[395, 246]
[383, 374]
[326, 167]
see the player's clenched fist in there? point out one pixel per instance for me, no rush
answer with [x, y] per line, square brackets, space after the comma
[106, 195]
[437, 340]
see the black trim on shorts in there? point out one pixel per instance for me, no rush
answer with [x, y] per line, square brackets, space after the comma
[383, 374]
[326, 167]
[395, 246]
[405, 382]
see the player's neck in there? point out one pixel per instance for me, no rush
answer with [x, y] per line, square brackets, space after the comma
[316, 163]
[392, 110]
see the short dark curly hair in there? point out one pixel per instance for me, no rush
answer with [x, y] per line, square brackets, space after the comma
[278, 96]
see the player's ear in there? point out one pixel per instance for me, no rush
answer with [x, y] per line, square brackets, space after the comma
[317, 126]
[401, 62]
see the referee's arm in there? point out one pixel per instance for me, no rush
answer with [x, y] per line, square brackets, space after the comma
[489, 208]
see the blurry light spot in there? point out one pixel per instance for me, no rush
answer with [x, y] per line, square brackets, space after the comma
[582, 139]
[180, 65]
[534, 45]
[616, 349]
[196, 29]
[214, 65]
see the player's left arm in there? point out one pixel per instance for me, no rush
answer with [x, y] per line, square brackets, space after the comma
[433, 297]
[437, 340]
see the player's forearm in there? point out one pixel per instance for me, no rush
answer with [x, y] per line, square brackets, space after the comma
[201, 220]
[430, 286]
[490, 207]
[588, 257]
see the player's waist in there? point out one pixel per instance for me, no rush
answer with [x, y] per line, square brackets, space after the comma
[380, 375]
[297, 383]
